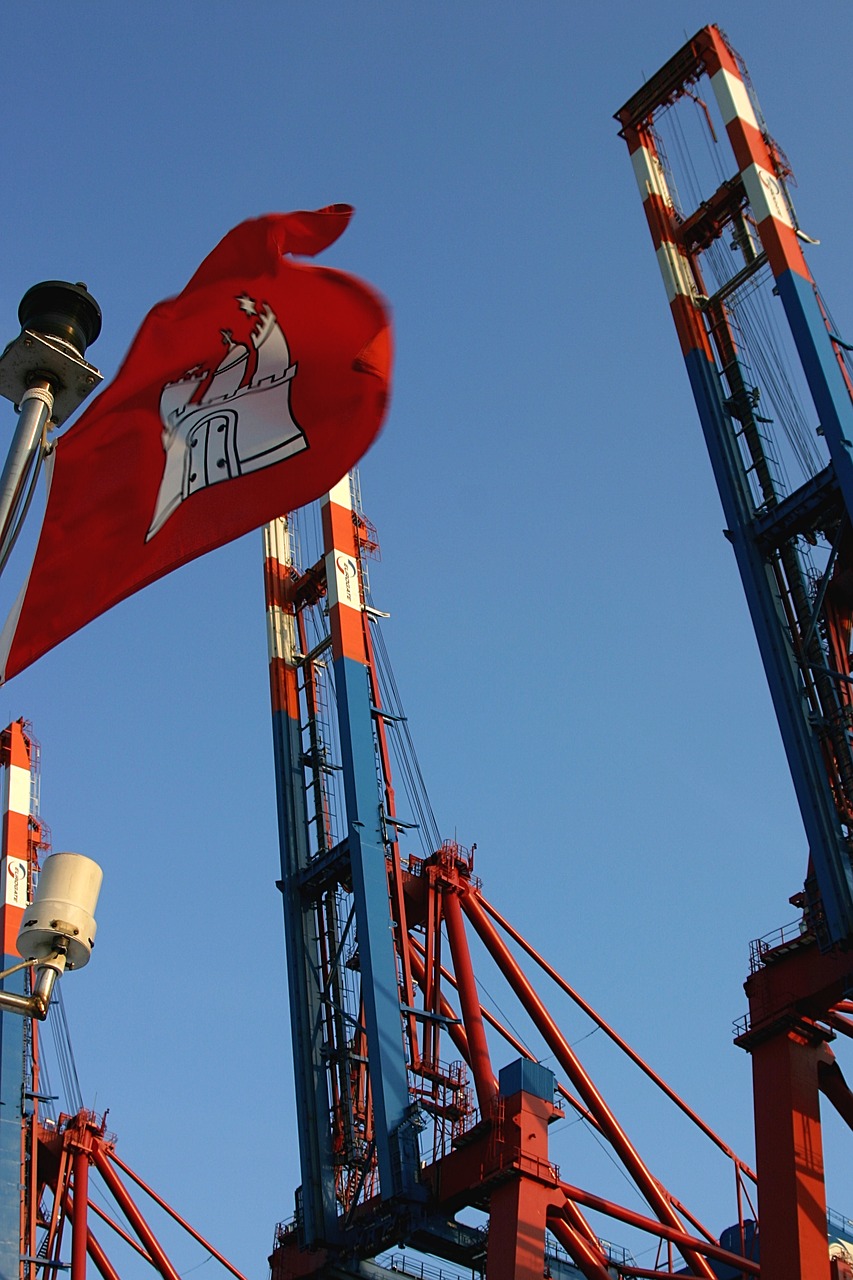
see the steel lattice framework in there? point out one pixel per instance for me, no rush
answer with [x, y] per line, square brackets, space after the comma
[46, 1164]
[407, 1119]
[779, 433]
[792, 542]
[404, 1120]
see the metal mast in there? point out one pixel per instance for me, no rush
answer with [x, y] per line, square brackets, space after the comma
[348, 1035]
[21, 840]
[44, 373]
[784, 469]
[395, 1143]
[47, 1166]
[792, 541]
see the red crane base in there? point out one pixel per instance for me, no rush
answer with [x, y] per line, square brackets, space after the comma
[791, 991]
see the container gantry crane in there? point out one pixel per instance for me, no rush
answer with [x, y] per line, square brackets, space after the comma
[784, 469]
[58, 1171]
[404, 1120]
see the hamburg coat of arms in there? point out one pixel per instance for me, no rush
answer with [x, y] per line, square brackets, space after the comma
[229, 423]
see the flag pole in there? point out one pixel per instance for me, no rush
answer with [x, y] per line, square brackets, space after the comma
[44, 374]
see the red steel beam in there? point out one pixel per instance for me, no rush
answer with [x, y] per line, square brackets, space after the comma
[54, 1233]
[679, 1238]
[100, 1259]
[461, 1041]
[454, 1030]
[586, 1254]
[120, 1231]
[614, 1036]
[79, 1223]
[95, 1251]
[177, 1217]
[480, 1061]
[831, 1082]
[559, 1046]
[396, 877]
[587, 1247]
[789, 1150]
[134, 1217]
[839, 1022]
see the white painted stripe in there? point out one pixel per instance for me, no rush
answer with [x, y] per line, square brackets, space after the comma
[677, 277]
[17, 790]
[650, 176]
[281, 624]
[651, 179]
[342, 579]
[277, 541]
[766, 195]
[339, 494]
[733, 98]
[281, 634]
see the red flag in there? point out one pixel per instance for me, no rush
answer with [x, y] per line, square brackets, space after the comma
[250, 393]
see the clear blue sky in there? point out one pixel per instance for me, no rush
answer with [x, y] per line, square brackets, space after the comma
[567, 626]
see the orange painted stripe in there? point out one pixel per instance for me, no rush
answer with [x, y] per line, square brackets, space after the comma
[690, 327]
[15, 830]
[16, 835]
[19, 753]
[12, 917]
[713, 51]
[659, 218]
[284, 692]
[748, 145]
[782, 248]
[347, 633]
[277, 579]
[634, 137]
[339, 529]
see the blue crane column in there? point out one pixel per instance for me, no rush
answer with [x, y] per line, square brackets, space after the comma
[348, 1129]
[395, 1136]
[809, 677]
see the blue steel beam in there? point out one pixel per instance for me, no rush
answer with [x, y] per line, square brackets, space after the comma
[395, 1137]
[823, 370]
[318, 1206]
[827, 841]
[809, 695]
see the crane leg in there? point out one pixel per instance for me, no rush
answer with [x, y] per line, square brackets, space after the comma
[791, 1195]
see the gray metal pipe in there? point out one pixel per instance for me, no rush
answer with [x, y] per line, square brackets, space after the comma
[37, 1004]
[35, 412]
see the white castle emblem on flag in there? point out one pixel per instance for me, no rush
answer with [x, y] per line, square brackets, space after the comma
[236, 426]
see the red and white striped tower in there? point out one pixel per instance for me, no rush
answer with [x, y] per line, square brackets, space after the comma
[319, 1210]
[396, 1144]
[810, 696]
[16, 783]
[20, 838]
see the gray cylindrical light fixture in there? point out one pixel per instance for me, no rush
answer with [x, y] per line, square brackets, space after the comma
[61, 917]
